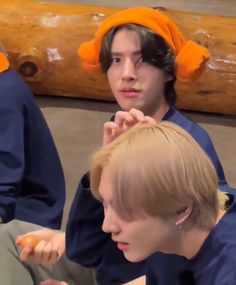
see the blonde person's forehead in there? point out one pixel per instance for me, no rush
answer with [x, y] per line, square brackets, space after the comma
[105, 185]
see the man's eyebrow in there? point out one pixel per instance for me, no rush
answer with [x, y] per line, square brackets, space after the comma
[116, 53]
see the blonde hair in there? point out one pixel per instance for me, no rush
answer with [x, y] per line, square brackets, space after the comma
[159, 169]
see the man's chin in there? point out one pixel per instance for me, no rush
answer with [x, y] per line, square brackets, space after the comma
[133, 258]
[125, 106]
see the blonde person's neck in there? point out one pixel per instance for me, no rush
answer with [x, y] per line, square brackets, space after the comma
[193, 238]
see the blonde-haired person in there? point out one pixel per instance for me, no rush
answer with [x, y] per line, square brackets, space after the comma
[52, 245]
[160, 194]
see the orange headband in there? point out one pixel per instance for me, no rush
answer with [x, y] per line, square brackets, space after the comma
[190, 58]
[4, 63]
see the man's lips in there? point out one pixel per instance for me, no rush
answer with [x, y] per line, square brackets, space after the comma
[122, 246]
[129, 92]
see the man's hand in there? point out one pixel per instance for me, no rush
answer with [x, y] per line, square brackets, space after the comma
[48, 249]
[123, 121]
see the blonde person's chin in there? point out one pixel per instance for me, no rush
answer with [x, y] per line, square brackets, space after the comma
[134, 257]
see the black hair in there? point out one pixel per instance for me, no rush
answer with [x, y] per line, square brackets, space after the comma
[154, 50]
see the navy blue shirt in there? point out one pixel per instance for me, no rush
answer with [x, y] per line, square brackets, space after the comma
[32, 186]
[88, 245]
[214, 264]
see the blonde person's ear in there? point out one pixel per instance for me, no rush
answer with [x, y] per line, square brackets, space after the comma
[183, 215]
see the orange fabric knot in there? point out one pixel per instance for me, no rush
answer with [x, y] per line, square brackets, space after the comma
[89, 61]
[190, 57]
[190, 62]
[4, 63]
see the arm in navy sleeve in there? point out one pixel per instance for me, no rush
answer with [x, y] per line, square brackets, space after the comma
[84, 237]
[11, 156]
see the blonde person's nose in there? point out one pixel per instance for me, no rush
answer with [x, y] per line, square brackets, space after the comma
[109, 224]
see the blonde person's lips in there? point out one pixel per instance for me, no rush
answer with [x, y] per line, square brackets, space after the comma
[129, 92]
[122, 246]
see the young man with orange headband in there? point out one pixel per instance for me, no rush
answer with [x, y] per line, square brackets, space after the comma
[142, 53]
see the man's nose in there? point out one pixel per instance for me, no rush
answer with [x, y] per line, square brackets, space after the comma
[129, 71]
[109, 224]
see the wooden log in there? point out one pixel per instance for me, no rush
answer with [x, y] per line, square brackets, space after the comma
[41, 39]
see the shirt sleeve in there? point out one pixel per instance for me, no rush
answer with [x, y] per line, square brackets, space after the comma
[11, 158]
[84, 237]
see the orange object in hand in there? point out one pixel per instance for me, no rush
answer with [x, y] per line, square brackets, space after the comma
[29, 240]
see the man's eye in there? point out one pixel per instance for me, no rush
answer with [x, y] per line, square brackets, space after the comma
[140, 60]
[115, 59]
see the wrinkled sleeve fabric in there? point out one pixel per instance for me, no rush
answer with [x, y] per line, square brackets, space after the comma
[32, 186]
[11, 154]
[84, 237]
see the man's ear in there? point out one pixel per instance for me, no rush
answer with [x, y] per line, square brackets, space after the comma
[169, 77]
[183, 214]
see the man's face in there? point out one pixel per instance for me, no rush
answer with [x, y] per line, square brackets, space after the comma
[139, 238]
[134, 82]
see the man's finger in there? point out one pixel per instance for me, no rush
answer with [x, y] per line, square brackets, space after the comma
[137, 114]
[122, 118]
